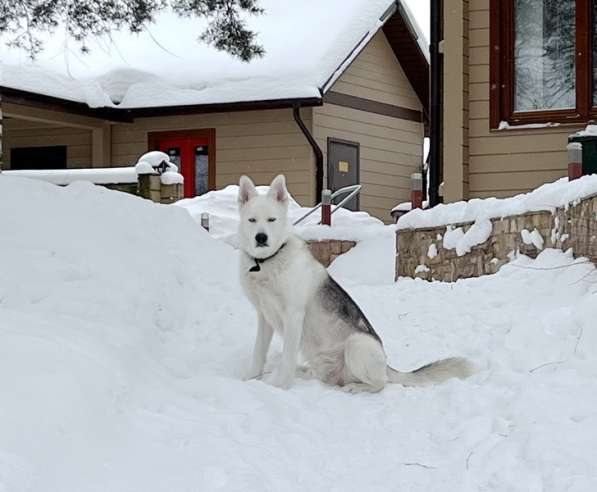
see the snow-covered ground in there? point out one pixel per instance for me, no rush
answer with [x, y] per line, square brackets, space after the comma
[222, 207]
[123, 331]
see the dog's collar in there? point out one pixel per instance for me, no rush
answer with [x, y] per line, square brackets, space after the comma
[259, 261]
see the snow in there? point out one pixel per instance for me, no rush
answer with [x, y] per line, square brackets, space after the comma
[144, 167]
[222, 207]
[478, 233]
[112, 175]
[67, 176]
[452, 237]
[589, 131]
[533, 238]
[171, 178]
[403, 207]
[463, 242]
[550, 196]
[122, 336]
[504, 125]
[305, 43]
[421, 269]
[154, 158]
[407, 206]
[432, 251]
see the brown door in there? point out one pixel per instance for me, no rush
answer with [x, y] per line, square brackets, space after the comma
[343, 168]
[193, 151]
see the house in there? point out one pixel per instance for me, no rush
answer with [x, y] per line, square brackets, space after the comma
[517, 81]
[340, 98]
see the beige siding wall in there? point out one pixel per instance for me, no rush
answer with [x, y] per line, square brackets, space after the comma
[260, 144]
[22, 133]
[391, 149]
[504, 163]
[376, 74]
[456, 121]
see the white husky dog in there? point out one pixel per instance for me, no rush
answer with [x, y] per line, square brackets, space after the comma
[295, 297]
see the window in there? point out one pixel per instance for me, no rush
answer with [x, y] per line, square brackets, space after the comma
[543, 63]
[38, 157]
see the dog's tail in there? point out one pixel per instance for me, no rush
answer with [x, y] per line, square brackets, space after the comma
[434, 373]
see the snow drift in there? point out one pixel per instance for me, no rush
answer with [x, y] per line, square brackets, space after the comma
[122, 332]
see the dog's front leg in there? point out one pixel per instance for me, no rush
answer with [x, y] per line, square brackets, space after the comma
[293, 331]
[262, 343]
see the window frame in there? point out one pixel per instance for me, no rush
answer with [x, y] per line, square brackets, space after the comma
[501, 70]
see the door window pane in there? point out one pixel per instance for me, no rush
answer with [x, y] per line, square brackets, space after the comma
[201, 169]
[544, 52]
[174, 154]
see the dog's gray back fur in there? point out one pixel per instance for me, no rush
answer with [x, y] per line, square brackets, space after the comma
[335, 300]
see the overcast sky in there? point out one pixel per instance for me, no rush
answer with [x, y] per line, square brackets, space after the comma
[420, 9]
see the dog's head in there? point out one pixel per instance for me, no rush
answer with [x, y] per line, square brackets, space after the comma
[264, 225]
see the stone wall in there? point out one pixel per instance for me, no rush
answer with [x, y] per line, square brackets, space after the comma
[150, 186]
[420, 252]
[327, 251]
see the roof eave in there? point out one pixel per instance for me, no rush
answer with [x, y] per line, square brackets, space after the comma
[127, 115]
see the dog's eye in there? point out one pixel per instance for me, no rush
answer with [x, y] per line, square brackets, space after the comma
[271, 219]
[252, 219]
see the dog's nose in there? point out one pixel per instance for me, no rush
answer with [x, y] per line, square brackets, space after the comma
[261, 238]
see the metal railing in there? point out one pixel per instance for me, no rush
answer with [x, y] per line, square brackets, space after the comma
[352, 192]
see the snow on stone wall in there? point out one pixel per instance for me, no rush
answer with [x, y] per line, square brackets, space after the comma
[454, 257]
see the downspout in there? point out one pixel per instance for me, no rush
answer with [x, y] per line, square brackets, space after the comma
[436, 102]
[296, 111]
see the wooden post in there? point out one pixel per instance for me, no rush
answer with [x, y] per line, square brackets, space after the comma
[101, 145]
[326, 207]
[416, 190]
[574, 160]
[205, 221]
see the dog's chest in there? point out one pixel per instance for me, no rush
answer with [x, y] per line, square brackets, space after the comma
[270, 293]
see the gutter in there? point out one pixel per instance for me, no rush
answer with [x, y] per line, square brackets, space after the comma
[436, 103]
[127, 115]
[296, 112]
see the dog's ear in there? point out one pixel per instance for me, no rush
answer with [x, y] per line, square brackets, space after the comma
[277, 190]
[246, 190]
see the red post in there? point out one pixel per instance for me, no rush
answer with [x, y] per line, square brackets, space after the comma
[416, 190]
[574, 160]
[205, 221]
[326, 207]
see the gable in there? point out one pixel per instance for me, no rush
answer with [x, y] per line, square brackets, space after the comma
[376, 74]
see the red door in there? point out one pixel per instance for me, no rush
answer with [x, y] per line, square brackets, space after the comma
[193, 152]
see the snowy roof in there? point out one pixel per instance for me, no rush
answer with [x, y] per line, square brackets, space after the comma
[308, 44]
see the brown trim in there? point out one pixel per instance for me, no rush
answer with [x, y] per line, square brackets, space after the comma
[153, 143]
[494, 64]
[502, 76]
[24, 98]
[224, 107]
[371, 106]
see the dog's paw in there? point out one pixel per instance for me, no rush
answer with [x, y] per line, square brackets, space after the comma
[252, 373]
[356, 388]
[305, 372]
[281, 380]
